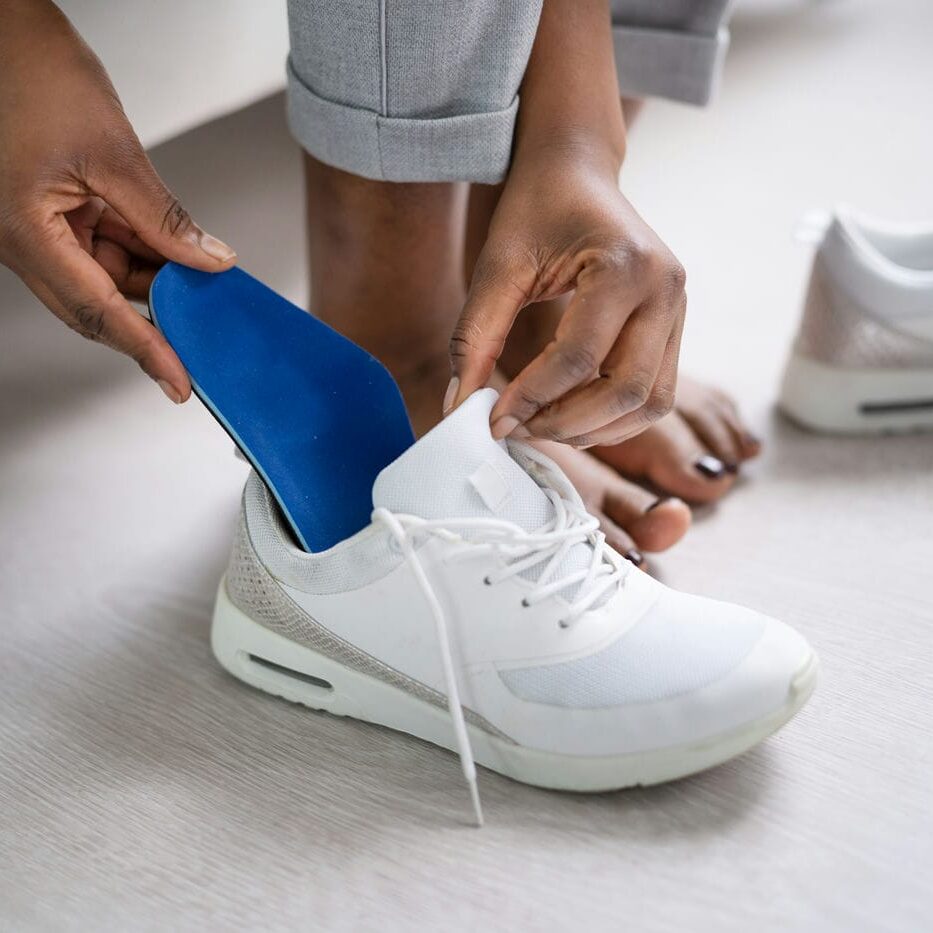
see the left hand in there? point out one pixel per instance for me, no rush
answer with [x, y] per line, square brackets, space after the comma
[562, 225]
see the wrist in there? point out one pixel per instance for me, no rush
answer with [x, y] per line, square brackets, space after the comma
[569, 98]
[572, 146]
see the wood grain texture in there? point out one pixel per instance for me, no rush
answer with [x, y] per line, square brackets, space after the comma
[141, 788]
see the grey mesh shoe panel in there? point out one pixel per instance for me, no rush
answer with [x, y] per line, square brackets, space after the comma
[683, 644]
[354, 563]
[836, 330]
[254, 591]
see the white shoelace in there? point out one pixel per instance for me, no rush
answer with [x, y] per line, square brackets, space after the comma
[570, 525]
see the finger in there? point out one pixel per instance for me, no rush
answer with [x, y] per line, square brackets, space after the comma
[496, 296]
[132, 276]
[134, 189]
[95, 219]
[599, 309]
[100, 231]
[659, 401]
[75, 288]
[83, 222]
[113, 227]
[627, 377]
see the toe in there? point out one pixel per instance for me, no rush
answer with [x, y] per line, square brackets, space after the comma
[632, 517]
[716, 421]
[748, 443]
[618, 539]
[653, 523]
[711, 429]
[664, 523]
[674, 459]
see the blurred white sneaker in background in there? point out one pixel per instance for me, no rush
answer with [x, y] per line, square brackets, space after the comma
[862, 361]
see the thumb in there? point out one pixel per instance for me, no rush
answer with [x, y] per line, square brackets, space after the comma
[493, 303]
[135, 190]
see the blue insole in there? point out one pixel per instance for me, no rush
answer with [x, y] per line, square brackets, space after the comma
[315, 414]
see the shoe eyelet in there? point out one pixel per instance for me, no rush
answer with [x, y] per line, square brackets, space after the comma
[525, 603]
[487, 581]
[561, 623]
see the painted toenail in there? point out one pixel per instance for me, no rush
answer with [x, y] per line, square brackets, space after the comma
[711, 467]
[635, 556]
[732, 468]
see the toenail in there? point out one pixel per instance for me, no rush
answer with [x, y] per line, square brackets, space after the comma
[659, 501]
[732, 468]
[711, 467]
[635, 556]
[750, 440]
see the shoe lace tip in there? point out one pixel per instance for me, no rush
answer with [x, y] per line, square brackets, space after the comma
[477, 806]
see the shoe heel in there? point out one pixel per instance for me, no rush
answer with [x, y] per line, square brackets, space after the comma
[269, 662]
[848, 401]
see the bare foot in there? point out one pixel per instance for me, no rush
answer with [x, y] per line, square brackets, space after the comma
[695, 452]
[633, 519]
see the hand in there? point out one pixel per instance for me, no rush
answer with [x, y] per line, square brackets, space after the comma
[85, 220]
[562, 225]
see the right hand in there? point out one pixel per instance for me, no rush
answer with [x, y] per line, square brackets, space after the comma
[85, 221]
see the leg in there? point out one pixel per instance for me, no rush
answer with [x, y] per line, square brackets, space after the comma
[386, 272]
[378, 278]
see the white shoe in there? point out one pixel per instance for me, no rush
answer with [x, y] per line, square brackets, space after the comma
[863, 358]
[482, 611]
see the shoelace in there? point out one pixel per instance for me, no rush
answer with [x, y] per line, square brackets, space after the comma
[570, 525]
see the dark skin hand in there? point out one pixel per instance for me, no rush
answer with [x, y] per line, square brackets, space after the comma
[563, 226]
[85, 221]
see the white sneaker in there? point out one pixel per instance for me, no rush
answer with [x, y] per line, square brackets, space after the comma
[482, 611]
[863, 358]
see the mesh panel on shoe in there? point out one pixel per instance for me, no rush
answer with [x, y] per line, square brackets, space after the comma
[671, 651]
[253, 590]
[836, 330]
[353, 563]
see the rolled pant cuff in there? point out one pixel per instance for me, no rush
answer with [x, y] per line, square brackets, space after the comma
[467, 147]
[681, 66]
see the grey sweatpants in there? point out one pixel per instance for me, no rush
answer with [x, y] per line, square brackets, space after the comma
[427, 90]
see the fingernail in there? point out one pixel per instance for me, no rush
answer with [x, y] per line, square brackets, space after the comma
[215, 248]
[711, 467]
[659, 501]
[521, 432]
[635, 556]
[170, 391]
[504, 426]
[453, 388]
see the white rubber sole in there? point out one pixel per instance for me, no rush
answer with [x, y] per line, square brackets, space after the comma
[857, 401]
[267, 660]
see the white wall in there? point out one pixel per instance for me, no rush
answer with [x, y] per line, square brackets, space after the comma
[177, 63]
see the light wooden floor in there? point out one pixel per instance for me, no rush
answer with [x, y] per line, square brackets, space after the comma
[142, 788]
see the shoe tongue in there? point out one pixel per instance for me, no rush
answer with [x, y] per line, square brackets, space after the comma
[458, 470]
